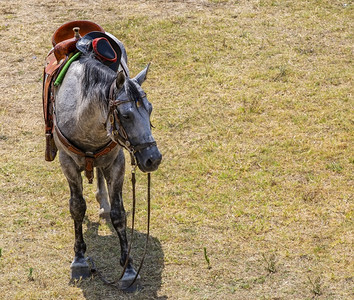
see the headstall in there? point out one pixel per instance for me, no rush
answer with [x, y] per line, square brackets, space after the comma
[117, 129]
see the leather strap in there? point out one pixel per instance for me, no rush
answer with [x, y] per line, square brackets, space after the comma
[89, 156]
[50, 71]
[119, 132]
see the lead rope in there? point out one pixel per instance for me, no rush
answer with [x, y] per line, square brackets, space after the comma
[93, 267]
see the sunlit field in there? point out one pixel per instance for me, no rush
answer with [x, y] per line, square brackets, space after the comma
[253, 113]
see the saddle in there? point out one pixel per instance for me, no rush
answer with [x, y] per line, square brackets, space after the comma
[67, 41]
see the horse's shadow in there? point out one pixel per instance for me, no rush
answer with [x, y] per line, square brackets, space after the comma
[105, 251]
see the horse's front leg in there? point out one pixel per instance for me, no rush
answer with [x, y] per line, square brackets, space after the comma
[115, 178]
[79, 266]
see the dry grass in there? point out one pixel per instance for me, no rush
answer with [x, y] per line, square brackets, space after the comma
[254, 115]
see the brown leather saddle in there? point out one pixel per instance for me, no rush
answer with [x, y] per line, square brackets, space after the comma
[64, 43]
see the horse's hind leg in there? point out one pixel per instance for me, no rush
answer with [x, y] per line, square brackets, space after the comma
[102, 195]
[79, 266]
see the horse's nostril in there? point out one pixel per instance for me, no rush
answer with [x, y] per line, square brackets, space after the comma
[149, 163]
[149, 160]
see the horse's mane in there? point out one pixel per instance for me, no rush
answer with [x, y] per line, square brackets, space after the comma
[97, 78]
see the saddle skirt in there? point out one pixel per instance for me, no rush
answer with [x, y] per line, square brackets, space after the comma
[50, 73]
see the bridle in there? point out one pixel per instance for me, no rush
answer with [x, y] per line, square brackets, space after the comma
[118, 132]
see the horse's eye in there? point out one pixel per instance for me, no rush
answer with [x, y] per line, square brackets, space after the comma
[126, 117]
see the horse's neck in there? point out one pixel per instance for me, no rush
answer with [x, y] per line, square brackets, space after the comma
[80, 120]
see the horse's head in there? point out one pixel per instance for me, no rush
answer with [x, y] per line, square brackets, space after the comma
[129, 121]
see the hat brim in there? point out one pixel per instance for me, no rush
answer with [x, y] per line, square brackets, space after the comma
[84, 45]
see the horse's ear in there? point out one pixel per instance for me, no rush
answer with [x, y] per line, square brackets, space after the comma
[120, 80]
[140, 78]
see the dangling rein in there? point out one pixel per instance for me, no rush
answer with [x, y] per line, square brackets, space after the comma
[94, 270]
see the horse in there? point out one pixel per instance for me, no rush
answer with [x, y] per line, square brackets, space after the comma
[100, 111]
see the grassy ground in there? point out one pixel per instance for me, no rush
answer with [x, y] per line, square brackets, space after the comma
[254, 116]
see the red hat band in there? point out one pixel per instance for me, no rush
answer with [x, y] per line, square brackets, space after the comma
[104, 50]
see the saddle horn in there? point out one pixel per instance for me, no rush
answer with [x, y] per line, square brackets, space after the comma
[62, 49]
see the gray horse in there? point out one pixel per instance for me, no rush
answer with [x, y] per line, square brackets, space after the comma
[88, 121]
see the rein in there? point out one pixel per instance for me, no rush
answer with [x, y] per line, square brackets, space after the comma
[114, 283]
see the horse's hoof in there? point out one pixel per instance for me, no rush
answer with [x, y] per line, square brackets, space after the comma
[80, 269]
[127, 284]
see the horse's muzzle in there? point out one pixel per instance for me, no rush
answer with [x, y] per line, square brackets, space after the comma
[148, 159]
